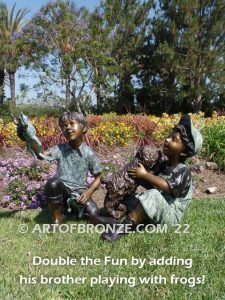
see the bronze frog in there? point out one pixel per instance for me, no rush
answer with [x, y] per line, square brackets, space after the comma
[27, 132]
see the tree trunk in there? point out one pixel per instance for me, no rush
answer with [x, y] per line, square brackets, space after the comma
[99, 99]
[78, 105]
[2, 81]
[68, 102]
[197, 104]
[99, 84]
[126, 97]
[12, 87]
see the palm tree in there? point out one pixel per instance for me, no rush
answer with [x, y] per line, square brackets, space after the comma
[10, 27]
[3, 10]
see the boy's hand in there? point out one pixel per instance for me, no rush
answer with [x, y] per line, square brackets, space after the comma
[84, 197]
[138, 172]
[88, 193]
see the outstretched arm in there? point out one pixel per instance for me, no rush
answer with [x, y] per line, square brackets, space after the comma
[33, 144]
[157, 181]
[43, 154]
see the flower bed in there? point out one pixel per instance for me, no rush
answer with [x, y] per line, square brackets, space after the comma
[22, 178]
[23, 181]
[109, 130]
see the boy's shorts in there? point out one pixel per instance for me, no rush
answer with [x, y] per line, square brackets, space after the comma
[155, 205]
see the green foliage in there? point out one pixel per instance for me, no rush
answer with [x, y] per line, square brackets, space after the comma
[55, 43]
[183, 65]
[110, 167]
[11, 22]
[32, 173]
[214, 143]
[37, 111]
[17, 188]
[5, 112]
[126, 23]
[130, 56]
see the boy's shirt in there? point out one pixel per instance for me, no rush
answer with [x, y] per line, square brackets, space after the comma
[178, 178]
[180, 182]
[73, 165]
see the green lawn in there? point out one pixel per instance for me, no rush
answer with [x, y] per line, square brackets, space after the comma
[204, 244]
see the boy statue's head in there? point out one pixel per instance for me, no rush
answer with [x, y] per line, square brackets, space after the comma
[73, 125]
[185, 141]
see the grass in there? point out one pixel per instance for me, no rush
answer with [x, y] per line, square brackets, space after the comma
[204, 244]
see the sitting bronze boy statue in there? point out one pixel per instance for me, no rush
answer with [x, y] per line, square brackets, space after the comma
[68, 188]
[119, 184]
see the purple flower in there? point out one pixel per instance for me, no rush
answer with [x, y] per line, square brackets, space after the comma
[23, 205]
[41, 193]
[4, 162]
[37, 185]
[3, 169]
[24, 197]
[12, 205]
[15, 36]
[90, 180]
[6, 198]
[29, 188]
[16, 164]
[44, 176]
[34, 205]
[34, 198]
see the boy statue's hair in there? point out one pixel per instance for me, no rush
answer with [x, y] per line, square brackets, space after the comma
[72, 115]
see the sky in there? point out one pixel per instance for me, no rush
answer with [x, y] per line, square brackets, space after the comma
[33, 6]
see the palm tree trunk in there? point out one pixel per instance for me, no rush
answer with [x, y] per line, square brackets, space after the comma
[12, 87]
[2, 81]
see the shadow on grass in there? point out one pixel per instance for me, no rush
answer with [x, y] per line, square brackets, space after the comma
[44, 216]
[8, 214]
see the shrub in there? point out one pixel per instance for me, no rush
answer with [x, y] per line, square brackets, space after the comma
[111, 134]
[38, 111]
[214, 143]
[5, 112]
